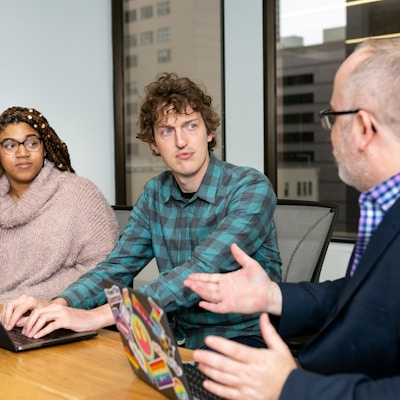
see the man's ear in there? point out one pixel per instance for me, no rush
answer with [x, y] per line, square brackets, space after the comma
[368, 130]
[154, 148]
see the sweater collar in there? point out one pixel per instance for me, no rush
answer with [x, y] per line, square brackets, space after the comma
[30, 205]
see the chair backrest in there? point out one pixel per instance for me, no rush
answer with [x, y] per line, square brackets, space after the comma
[304, 230]
[122, 213]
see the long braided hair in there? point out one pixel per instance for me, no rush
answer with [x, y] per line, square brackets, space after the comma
[55, 149]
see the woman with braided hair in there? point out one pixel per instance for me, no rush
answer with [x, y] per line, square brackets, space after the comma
[54, 225]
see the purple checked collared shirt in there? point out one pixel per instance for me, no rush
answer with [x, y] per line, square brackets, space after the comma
[374, 204]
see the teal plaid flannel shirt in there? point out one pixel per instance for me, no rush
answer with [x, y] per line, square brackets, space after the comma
[233, 205]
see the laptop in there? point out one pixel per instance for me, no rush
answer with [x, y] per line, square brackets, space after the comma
[150, 346]
[16, 341]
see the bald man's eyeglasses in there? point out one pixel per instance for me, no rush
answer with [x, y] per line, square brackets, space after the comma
[328, 117]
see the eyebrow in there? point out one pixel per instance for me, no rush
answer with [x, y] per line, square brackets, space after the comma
[26, 137]
[171, 126]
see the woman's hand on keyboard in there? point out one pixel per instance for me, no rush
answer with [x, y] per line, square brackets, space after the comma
[16, 312]
[49, 316]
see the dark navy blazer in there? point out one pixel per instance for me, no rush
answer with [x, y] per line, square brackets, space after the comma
[358, 323]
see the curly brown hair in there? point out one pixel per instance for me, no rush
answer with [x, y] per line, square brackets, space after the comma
[55, 149]
[170, 90]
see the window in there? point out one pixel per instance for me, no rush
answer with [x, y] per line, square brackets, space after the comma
[163, 56]
[298, 117]
[297, 80]
[130, 41]
[296, 99]
[304, 189]
[297, 156]
[286, 187]
[298, 137]
[132, 108]
[163, 8]
[131, 61]
[311, 43]
[146, 12]
[130, 16]
[164, 35]
[132, 88]
[132, 149]
[146, 38]
[135, 164]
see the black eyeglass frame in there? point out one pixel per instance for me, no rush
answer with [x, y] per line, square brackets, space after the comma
[326, 122]
[23, 143]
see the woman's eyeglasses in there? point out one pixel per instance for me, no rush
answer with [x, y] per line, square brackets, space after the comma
[11, 146]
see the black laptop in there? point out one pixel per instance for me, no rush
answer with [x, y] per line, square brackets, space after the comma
[150, 346]
[14, 340]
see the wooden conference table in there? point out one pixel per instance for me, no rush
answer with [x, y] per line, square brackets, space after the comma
[90, 369]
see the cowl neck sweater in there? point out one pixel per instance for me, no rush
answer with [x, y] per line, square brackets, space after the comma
[32, 202]
[60, 227]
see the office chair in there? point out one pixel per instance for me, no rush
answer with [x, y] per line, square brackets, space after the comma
[304, 230]
[122, 213]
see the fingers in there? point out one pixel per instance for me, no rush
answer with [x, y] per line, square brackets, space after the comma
[280, 357]
[12, 313]
[230, 368]
[207, 290]
[237, 371]
[223, 376]
[212, 307]
[240, 256]
[271, 336]
[223, 347]
[203, 277]
[44, 320]
[45, 316]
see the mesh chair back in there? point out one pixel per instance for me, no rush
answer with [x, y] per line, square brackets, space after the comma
[304, 230]
[122, 213]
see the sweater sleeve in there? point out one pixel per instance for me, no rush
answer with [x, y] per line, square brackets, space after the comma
[95, 231]
[96, 227]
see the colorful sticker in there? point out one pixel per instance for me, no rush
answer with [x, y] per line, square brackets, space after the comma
[161, 373]
[168, 358]
[142, 337]
[132, 359]
[122, 323]
[113, 295]
[127, 300]
[156, 311]
[180, 390]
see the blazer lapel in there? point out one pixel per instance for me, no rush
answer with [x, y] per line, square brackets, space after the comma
[388, 229]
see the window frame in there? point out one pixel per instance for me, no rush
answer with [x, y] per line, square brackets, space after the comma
[119, 89]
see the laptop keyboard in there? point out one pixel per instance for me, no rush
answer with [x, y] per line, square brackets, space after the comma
[195, 379]
[20, 339]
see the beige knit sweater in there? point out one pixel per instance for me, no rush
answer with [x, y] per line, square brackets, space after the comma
[61, 227]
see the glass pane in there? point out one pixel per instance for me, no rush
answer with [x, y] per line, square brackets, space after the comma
[178, 36]
[313, 38]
